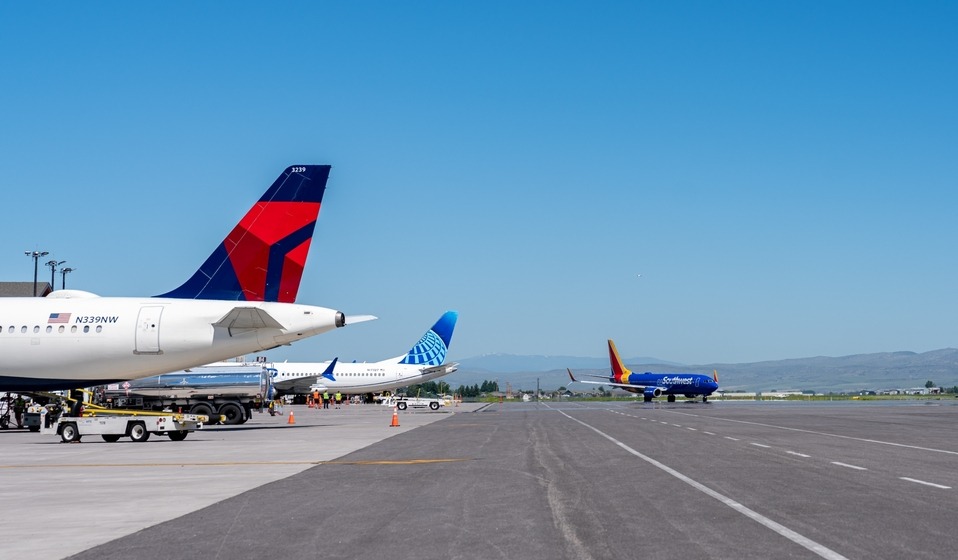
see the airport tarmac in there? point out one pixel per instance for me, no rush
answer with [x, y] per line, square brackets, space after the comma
[519, 480]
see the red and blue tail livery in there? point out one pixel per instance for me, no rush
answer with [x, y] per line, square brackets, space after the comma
[239, 302]
[263, 258]
[652, 385]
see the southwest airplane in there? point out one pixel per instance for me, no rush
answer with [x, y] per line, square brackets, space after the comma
[422, 363]
[653, 385]
[239, 301]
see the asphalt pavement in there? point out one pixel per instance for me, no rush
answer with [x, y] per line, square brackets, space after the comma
[515, 480]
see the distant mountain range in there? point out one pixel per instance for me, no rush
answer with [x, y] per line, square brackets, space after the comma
[886, 370]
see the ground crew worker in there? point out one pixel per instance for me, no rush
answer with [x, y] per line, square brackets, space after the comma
[19, 406]
[316, 401]
[325, 399]
[339, 399]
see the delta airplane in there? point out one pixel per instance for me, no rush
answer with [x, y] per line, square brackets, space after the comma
[653, 385]
[424, 362]
[238, 302]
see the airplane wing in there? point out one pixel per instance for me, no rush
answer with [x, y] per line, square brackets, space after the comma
[623, 385]
[299, 386]
[304, 385]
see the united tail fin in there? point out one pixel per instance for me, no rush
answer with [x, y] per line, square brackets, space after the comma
[262, 259]
[620, 373]
[432, 347]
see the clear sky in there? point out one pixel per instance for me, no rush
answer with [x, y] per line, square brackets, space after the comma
[781, 174]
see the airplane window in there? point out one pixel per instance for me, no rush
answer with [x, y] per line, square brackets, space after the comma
[73, 329]
[23, 329]
[36, 328]
[49, 329]
[86, 328]
[61, 329]
[99, 328]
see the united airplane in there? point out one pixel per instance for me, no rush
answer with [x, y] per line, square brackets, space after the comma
[239, 301]
[424, 362]
[652, 385]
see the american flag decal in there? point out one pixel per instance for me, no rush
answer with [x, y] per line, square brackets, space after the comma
[59, 318]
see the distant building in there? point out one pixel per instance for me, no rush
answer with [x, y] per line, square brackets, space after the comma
[24, 289]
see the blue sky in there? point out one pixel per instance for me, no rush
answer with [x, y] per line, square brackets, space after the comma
[782, 175]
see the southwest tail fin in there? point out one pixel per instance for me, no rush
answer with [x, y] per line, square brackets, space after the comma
[620, 373]
[262, 259]
[715, 375]
[432, 347]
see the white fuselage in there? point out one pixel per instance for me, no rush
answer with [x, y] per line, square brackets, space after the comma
[52, 342]
[356, 378]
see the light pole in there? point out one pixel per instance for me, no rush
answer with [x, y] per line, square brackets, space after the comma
[53, 272]
[63, 277]
[36, 259]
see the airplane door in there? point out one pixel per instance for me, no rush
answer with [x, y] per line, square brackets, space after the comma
[148, 330]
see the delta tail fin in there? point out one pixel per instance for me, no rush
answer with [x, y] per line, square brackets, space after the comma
[432, 347]
[262, 259]
[620, 373]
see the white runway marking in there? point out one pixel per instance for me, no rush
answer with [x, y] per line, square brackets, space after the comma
[847, 466]
[731, 438]
[760, 445]
[693, 429]
[782, 530]
[709, 433]
[797, 454]
[925, 483]
[866, 440]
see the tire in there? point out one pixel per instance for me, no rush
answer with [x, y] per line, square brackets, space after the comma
[233, 414]
[205, 410]
[401, 405]
[138, 432]
[178, 435]
[69, 432]
[111, 438]
[433, 406]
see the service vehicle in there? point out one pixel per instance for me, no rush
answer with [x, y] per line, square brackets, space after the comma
[112, 428]
[231, 390]
[432, 403]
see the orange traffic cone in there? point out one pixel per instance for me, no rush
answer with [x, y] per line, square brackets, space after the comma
[292, 419]
[395, 422]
